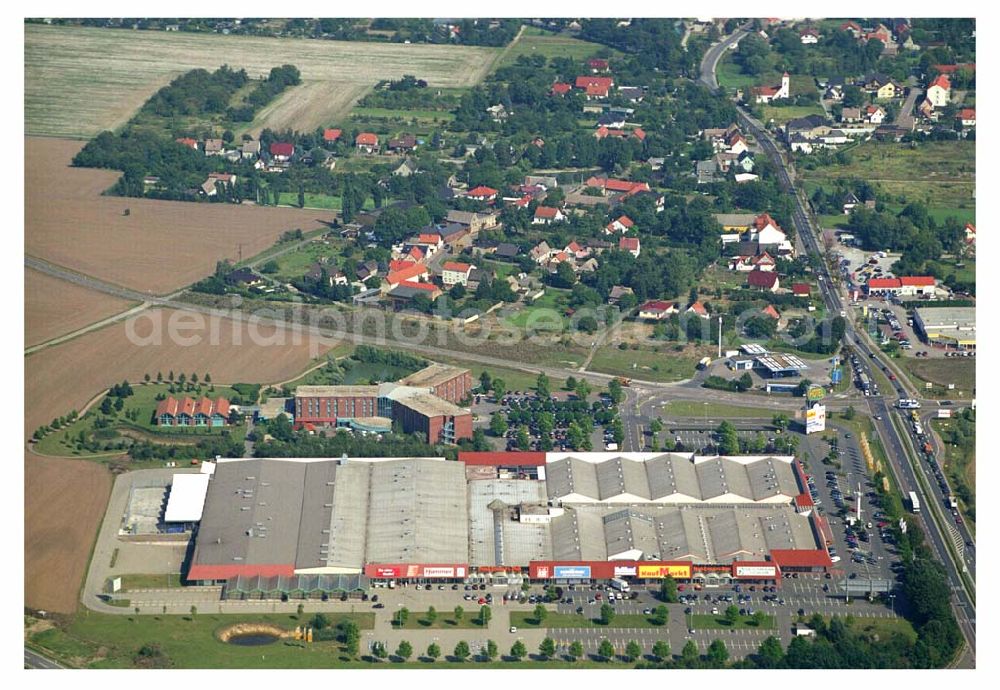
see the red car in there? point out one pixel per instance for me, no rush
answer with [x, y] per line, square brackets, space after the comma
[892, 377]
[680, 588]
[597, 596]
[481, 601]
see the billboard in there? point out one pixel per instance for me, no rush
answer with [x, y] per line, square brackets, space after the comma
[816, 419]
[756, 571]
[542, 572]
[409, 570]
[815, 393]
[682, 571]
[571, 571]
[621, 570]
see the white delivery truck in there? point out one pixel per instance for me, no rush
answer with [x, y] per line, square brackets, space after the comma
[619, 584]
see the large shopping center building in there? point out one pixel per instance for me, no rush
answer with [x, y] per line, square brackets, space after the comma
[305, 527]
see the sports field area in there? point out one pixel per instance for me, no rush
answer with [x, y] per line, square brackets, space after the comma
[80, 81]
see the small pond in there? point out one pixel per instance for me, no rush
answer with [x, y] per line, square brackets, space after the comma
[252, 639]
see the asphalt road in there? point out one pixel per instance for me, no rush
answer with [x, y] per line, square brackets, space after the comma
[902, 468]
[36, 660]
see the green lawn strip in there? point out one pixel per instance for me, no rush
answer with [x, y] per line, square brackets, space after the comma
[688, 408]
[545, 313]
[402, 114]
[323, 201]
[417, 620]
[960, 467]
[708, 621]
[662, 366]
[837, 220]
[782, 114]
[526, 619]
[190, 641]
[151, 581]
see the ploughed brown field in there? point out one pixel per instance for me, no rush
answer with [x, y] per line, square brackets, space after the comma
[66, 376]
[64, 503]
[53, 307]
[159, 247]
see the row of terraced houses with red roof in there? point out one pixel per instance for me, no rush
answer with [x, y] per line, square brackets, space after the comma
[190, 412]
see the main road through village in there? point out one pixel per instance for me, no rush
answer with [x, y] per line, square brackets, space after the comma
[904, 465]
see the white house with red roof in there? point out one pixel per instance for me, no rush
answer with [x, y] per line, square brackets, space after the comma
[970, 233]
[939, 92]
[404, 271]
[766, 94]
[366, 142]
[630, 245]
[620, 224]
[801, 289]
[282, 151]
[544, 215]
[331, 135]
[597, 65]
[852, 27]
[188, 141]
[577, 250]
[904, 286]
[656, 310]
[482, 193]
[698, 309]
[874, 115]
[809, 36]
[736, 143]
[967, 116]
[595, 87]
[455, 273]
[763, 281]
[770, 311]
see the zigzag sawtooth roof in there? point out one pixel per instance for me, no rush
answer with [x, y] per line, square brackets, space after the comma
[671, 478]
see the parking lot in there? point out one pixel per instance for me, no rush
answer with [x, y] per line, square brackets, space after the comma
[485, 406]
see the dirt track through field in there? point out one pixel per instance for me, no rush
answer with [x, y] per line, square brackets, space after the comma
[310, 105]
[159, 247]
[80, 81]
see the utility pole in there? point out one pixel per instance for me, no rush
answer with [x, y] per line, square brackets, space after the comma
[720, 337]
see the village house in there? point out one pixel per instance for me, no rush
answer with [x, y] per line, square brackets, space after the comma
[561, 88]
[405, 143]
[633, 94]
[850, 115]
[405, 271]
[455, 273]
[545, 215]
[619, 224]
[597, 65]
[850, 202]
[482, 193]
[801, 289]
[967, 117]
[698, 309]
[406, 168]
[209, 187]
[334, 277]
[540, 252]
[874, 115]
[656, 310]
[595, 87]
[214, 147]
[763, 281]
[188, 141]
[498, 113]
[366, 271]
[366, 142]
[852, 27]
[630, 245]
[809, 36]
[331, 136]
[475, 222]
[939, 91]
[618, 292]
[282, 152]
[250, 149]
[244, 278]
[402, 295]
[771, 312]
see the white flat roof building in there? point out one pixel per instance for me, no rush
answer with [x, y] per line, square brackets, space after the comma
[187, 497]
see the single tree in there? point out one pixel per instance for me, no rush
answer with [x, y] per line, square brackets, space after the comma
[607, 614]
[770, 654]
[606, 650]
[459, 612]
[299, 610]
[518, 650]
[717, 653]
[758, 618]
[485, 381]
[491, 650]
[462, 650]
[485, 614]
[498, 424]
[146, 377]
[689, 655]
[570, 383]
[576, 649]
[547, 648]
[404, 651]
[379, 650]
[194, 611]
[433, 651]
[401, 616]
[732, 614]
[632, 650]
[432, 615]
[159, 377]
[661, 650]
[668, 590]
[540, 613]
[660, 615]
[499, 388]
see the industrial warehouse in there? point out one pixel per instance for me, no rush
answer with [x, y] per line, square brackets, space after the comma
[309, 527]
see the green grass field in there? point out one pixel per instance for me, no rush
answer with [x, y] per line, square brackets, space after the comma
[104, 641]
[150, 581]
[296, 263]
[441, 116]
[445, 620]
[940, 174]
[109, 641]
[526, 619]
[782, 114]
[648, 365]
[535, 41]
[942, 213]
[941, 372]
[708, 621]
[323, 201]
[687, 408]
[544, 314]
[838, 220]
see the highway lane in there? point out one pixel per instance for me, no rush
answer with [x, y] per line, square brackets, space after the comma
[895, 450]
[33, 660]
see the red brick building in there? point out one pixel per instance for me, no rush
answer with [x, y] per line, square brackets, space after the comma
[450, 383]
